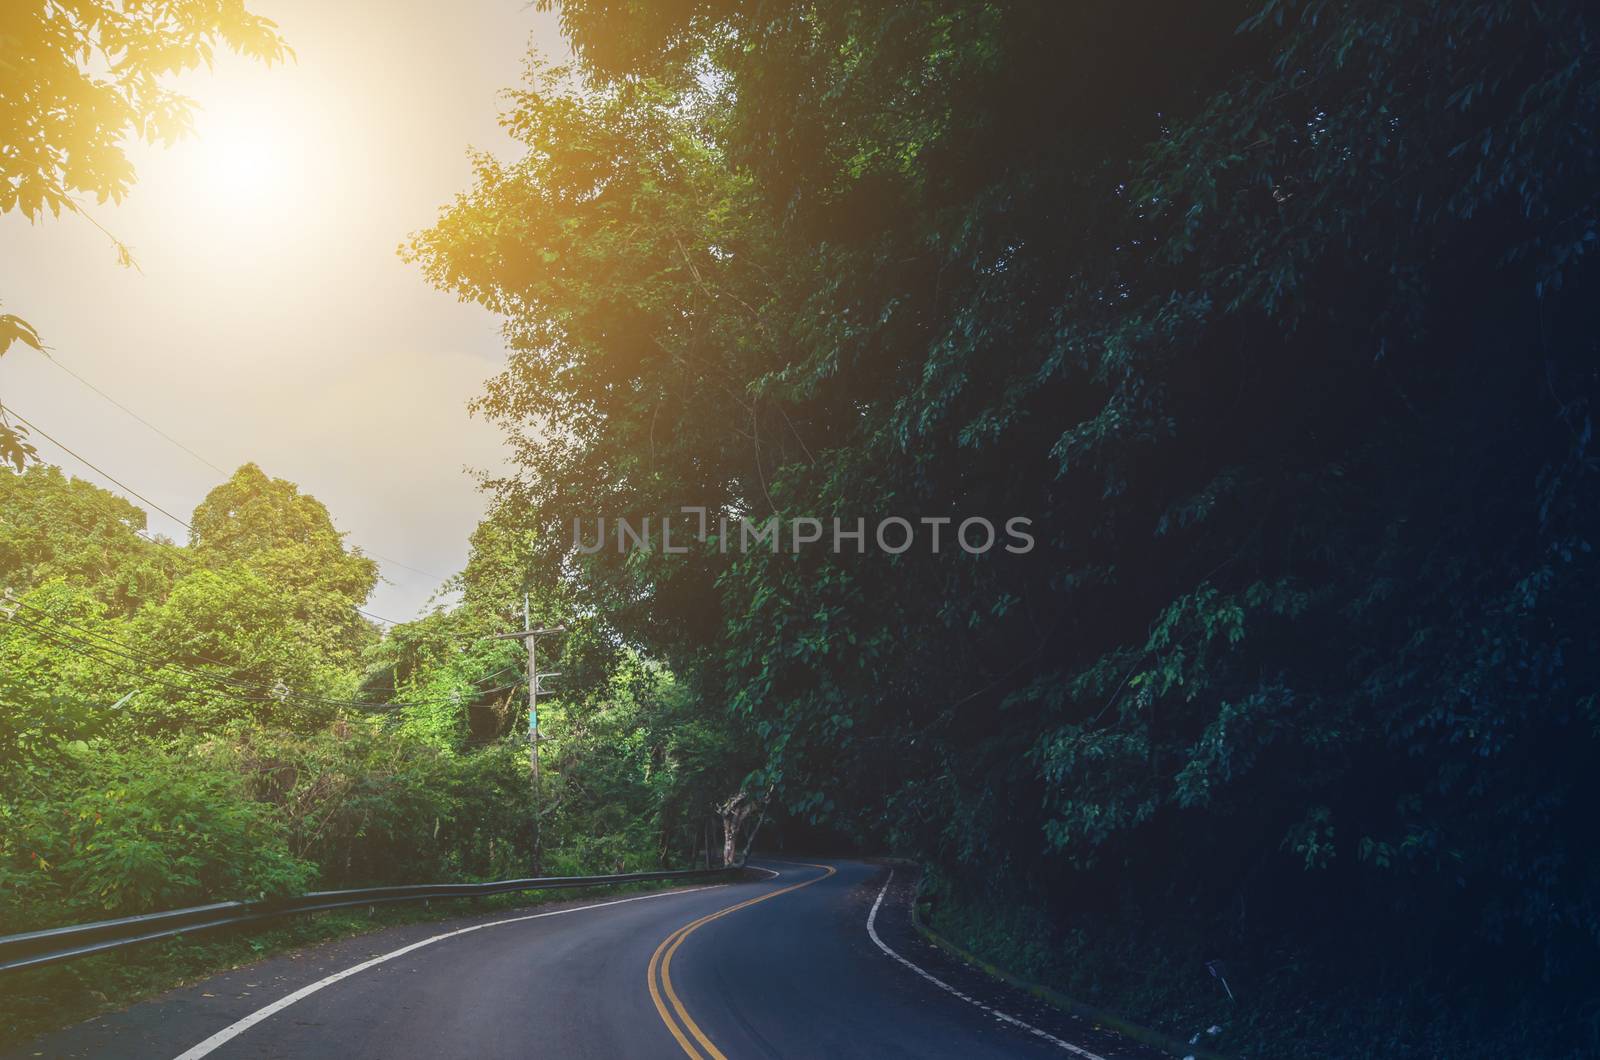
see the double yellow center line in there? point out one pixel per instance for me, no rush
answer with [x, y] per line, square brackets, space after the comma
[678, 1020]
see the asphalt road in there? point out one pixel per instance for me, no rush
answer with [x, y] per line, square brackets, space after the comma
[781, 967]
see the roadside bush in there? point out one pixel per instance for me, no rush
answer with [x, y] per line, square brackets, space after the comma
[113, 832]
[369, 806]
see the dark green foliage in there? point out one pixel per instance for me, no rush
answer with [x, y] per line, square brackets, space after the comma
[1278, 320]
[366, 807]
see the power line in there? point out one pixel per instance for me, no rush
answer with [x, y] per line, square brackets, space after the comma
[112, 644]
[397, 563]
[150, 660]
[120, 647]
[209, 683]
[497, 673]
[88, 651]
[40, 431]
[163, 664]
[219, 470]
[122, 485]
[98, 653]
[51, 358]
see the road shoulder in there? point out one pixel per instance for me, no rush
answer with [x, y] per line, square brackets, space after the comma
[978, 984]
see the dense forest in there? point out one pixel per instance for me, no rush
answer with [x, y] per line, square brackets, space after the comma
[1275, 320]
[183, 723]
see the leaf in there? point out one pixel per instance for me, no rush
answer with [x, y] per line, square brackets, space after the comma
[14, 329]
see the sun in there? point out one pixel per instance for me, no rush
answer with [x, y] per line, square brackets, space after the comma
[248, 162]
[263, 181]
[244, 165]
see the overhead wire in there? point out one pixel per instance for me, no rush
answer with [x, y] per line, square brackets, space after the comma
[99, 655]
[122, 485]
[51, 358]
[497, 673]
[210, 681]
[220, 470]
[87, 651]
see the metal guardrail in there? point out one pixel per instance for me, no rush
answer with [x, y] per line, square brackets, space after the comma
[32, 949]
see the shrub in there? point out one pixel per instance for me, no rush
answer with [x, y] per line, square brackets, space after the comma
[113, 832]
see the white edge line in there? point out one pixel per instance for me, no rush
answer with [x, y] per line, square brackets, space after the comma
[233, 1030]
[872, 929]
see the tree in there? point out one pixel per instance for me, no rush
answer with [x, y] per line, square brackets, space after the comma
[1274, 318]
[269, 528]
[255, 620]
[58, 527]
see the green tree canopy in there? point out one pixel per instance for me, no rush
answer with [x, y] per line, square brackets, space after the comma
[1275, 318]
[53, 526]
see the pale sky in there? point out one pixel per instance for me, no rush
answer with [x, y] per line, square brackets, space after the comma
[273, 321]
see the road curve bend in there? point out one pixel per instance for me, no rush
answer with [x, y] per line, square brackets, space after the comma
[817, 959]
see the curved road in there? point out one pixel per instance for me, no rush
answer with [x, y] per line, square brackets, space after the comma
[816, 960]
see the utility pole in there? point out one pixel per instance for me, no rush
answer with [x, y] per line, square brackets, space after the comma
[530, 637]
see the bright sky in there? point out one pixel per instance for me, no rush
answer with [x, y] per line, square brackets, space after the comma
[273, 321]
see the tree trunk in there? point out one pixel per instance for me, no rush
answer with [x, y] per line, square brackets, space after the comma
[761, 819]
[734, 813]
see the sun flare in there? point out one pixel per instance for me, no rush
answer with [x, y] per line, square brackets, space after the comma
[245, 163]
[244, 166]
